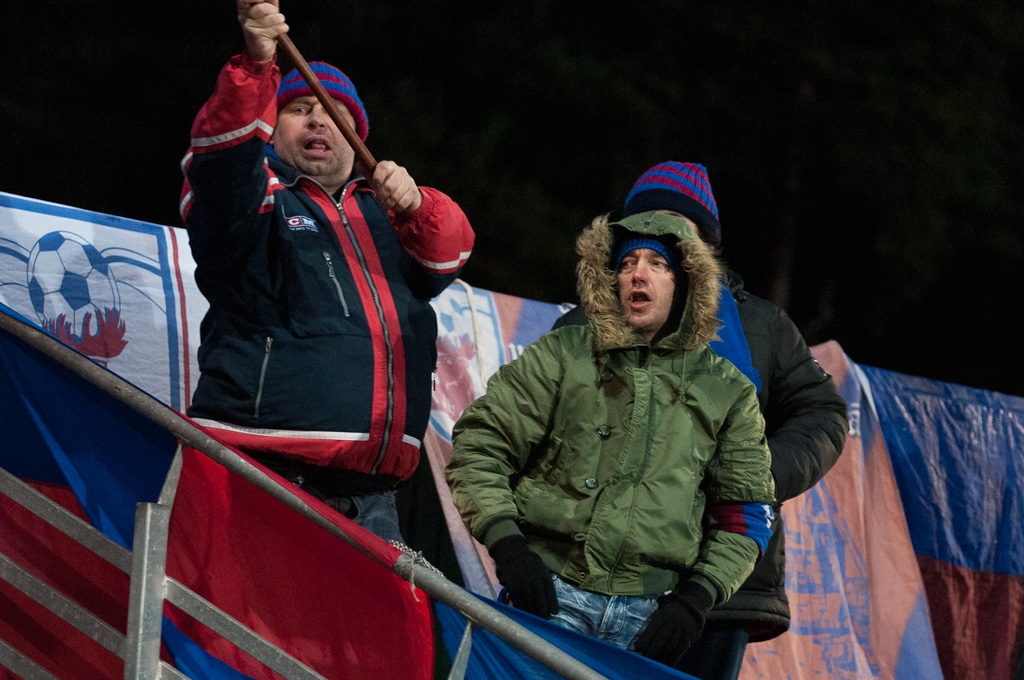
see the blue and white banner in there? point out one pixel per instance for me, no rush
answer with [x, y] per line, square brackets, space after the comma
[120, 291]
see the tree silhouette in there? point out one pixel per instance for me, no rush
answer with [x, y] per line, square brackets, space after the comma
[865, 156]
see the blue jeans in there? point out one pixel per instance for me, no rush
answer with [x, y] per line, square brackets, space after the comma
[616, 619]
[375, 512]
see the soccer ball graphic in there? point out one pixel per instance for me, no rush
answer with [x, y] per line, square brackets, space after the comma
[72, 289]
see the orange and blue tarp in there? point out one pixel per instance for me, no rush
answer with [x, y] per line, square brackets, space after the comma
[958, 458]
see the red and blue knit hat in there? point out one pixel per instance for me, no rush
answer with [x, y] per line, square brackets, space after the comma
[683, 188]
[337, 85]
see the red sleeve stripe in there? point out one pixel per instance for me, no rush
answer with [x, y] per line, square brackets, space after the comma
[753, 520]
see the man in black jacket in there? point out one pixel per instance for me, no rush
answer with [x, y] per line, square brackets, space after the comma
[805, 418]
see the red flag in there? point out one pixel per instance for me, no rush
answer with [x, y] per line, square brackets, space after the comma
[322, 600]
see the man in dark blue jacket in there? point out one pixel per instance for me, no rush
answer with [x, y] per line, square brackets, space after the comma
[318, 348]
[805, 418]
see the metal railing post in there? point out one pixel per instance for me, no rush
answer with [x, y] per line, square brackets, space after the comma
[146, 597]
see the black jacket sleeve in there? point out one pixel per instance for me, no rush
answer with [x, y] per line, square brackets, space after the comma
[805, 415]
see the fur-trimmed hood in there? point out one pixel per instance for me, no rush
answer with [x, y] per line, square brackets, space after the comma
[597, 284]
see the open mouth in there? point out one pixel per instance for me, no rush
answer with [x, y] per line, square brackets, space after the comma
[639, 302]
[316, 145]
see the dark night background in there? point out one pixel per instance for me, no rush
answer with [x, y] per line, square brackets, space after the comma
[866, 156]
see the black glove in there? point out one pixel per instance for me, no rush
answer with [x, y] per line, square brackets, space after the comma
[676, 624]
[525, 576]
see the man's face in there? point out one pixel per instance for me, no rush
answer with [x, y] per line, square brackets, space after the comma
[647, 285]
[307, 139]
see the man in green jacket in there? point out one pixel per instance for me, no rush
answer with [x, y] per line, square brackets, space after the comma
[805, 417]
[618, 472]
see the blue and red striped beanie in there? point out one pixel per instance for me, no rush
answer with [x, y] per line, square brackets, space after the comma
[680, 187]
[337, 85]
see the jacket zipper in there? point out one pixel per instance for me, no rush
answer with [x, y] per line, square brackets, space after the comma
[337, 283]
[389, 416]
[642, 364]
[263, 376]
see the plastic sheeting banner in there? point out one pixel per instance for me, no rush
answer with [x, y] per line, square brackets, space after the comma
[958, 458]
[856, 596]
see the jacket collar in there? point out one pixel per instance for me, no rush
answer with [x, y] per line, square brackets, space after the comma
[289, 175]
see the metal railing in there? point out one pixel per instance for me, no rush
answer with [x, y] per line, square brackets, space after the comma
[150, 587]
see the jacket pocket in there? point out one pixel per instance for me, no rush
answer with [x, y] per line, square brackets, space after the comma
[334, 279]
[320, 294]
[562, 467]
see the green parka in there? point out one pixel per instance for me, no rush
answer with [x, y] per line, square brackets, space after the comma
[604, 451]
